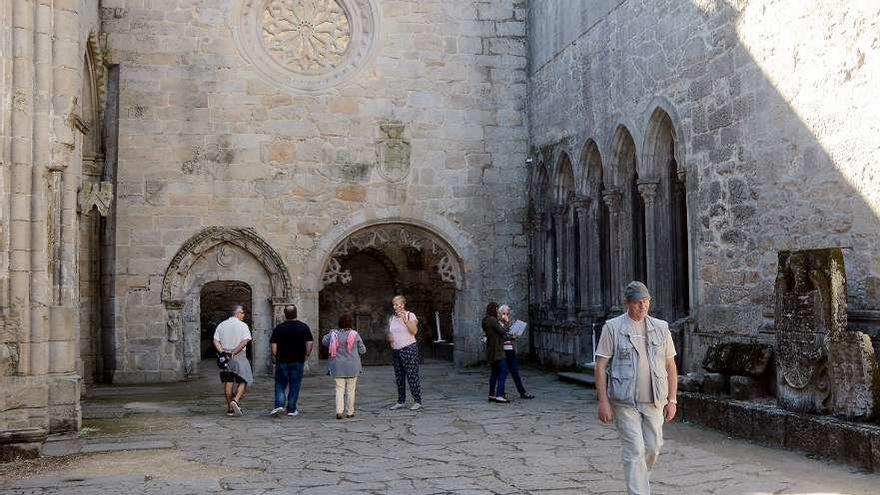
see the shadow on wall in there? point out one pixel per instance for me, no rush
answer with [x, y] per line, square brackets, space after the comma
[769, 117]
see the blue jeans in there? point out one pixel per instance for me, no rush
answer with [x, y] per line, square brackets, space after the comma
[497, 378]
[288, 375]
[513, 368]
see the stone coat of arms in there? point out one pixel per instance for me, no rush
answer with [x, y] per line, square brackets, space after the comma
[393, 152]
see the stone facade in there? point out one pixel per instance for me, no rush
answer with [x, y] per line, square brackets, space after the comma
[769, 132]
[394, 112]
[158, 154]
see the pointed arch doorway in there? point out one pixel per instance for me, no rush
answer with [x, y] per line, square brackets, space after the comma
[370, 266]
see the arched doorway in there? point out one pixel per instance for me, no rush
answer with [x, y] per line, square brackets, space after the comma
[223, 254]
[373, 264]
[216, 301]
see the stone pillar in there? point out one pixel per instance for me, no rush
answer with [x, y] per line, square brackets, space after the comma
[559, 262]
[307, 309]
[537, 263]
[594, 262]
[571, 270]
[582, 207]
[612, 198]
[648, 190]
[548, 257]
[21, 182]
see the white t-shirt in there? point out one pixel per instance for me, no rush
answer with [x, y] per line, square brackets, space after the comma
[400, 336]
[231, 332]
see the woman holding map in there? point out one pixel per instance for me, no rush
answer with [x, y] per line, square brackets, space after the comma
[510, 351]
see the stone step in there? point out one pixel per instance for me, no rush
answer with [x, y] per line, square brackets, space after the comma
[584, 379]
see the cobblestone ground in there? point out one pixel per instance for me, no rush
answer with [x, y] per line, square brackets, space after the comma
[176, 439]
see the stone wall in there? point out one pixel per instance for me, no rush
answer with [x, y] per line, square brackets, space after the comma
[222, 124]
[774, 129]
[42, 47]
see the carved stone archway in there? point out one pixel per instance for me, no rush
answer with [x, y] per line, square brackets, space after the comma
[224, 244]
[245, 238]
[442, 258]
[366, 269]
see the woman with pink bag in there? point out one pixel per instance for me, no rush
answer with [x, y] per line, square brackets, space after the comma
[346, 347]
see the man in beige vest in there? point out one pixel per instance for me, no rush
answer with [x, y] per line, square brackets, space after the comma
[637, 384]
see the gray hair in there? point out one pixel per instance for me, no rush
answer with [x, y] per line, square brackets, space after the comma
[503, 308]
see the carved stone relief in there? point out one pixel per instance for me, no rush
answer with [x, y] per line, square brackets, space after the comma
[393, 152]
[98, 196]
[394, 236]
[306, 45]
[809, 295]
[822, 366]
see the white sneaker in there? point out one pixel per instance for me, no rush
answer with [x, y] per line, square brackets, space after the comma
[397, 406]
[277, 411]
[236, 409]
[415, 407]
[294, 413]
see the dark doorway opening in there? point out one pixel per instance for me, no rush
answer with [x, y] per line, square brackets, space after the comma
[216, 301]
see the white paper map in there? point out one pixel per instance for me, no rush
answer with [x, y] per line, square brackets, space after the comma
[518, 328]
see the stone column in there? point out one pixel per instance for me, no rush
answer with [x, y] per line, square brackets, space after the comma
[559, 262]
[648, 190]
[594, 262]
[612, 198]
[582, 207]
[537, 262]
[548, 257]
[307, 309]
[22, 133]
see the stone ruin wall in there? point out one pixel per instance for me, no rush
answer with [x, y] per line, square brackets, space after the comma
[214, 130]
[777, 128]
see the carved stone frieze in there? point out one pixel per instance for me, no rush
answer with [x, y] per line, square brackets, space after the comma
[306, 45]
[394, 236]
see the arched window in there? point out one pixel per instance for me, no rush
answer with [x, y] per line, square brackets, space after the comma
[562, 228]
[672, 252]
[633, 246]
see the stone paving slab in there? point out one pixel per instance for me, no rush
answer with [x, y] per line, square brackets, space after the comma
[458, 444]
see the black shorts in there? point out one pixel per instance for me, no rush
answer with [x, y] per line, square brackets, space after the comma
[230, 377]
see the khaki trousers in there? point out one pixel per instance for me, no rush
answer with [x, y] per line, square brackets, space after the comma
[641, 433]
[345, 390]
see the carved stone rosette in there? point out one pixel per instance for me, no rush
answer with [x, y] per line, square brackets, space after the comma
[394, 236]
[306, 45]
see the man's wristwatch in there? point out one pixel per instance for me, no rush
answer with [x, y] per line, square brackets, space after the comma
[673, 401]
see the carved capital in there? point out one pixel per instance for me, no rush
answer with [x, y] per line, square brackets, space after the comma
[648, 190]
[581, 204]
[612, 198]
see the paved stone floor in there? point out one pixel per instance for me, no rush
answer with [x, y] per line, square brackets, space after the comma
[176, 439]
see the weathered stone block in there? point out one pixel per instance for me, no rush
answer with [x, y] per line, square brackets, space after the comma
[716, 383]
[855, 377]
[64, 390]
[745, 387]
[737, 358]
[692, 382]
[810, 309]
